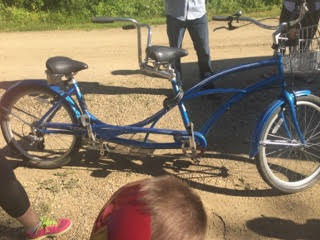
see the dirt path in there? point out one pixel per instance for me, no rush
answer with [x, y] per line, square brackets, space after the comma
[239, 204]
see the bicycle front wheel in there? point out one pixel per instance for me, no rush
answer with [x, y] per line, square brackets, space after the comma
[284, 161]
[23, 108]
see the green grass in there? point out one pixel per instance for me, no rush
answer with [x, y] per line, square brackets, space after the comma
[22, 20]
[7, 26]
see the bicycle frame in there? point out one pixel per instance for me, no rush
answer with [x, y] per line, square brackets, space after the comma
[112, 133]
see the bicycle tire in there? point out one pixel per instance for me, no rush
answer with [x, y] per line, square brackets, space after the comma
[24, 106]
[285, 167]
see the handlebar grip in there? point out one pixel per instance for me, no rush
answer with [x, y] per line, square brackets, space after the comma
[102, 20]
[234, 17]
[221, 18]
[128, 27]
[247, 19]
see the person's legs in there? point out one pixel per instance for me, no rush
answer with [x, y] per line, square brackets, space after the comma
[198, 30]
[310, 23]
[175, 32]
[29, 220]
[285, 15]
[309, 29]
[13, 197]
[312, 16]
[15, 202]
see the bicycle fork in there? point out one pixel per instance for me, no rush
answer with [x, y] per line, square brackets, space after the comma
[290, 99]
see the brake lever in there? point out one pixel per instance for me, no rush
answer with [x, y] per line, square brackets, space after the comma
[218, 28]
[231, 27]
[235, 17]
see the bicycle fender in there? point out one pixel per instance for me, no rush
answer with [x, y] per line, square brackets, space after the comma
[37, 82]
[13, 88]
[264, 119]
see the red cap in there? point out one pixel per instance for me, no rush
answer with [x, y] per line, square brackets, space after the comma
[123, 217]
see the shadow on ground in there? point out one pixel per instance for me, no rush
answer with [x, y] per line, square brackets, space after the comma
[199, 176]
[277, 228]
[8, 233]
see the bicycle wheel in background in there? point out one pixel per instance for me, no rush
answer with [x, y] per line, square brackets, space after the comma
[24, 106]
[283, 161]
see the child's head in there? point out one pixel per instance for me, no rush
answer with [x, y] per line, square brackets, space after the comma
[159, 208]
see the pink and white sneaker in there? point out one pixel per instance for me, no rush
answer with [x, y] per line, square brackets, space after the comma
[50, 228]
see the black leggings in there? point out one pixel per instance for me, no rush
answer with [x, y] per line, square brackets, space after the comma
[13, 198]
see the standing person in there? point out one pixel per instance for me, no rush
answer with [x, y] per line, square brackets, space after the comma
[290, 11]
[15, 202]
[306, 30]
[158, 208]
[190, 15]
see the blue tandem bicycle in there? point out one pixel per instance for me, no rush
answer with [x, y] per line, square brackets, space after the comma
[46, 121]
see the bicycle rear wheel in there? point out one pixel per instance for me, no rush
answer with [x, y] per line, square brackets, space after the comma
[24, 107]
[284, 161]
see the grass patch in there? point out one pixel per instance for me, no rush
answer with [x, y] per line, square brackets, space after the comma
[20, 19]
[71, 184]
[43, 26]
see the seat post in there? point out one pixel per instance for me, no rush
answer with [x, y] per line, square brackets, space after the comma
[172, 72]
[176, 85]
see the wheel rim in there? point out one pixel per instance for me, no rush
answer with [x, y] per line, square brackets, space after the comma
[24, 114]
[291, 163]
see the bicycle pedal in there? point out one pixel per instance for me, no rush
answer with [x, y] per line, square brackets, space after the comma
[104, 150]
[103, 153]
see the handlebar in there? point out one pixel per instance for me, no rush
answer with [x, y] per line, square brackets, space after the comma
[113, 19]
[228, 18]
[278, 29]
[128, 27]
[148, 65]
[237, 17]
[102, 20]
[134, 25]
[241, 18]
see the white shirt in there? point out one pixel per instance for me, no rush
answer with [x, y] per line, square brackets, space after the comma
[185, 9]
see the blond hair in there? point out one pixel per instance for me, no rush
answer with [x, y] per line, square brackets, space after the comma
[176, 211]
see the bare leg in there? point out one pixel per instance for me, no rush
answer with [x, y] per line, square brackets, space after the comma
[29, 220]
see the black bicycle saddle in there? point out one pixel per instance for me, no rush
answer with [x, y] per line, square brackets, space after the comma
[64, 65]
[164, 54]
